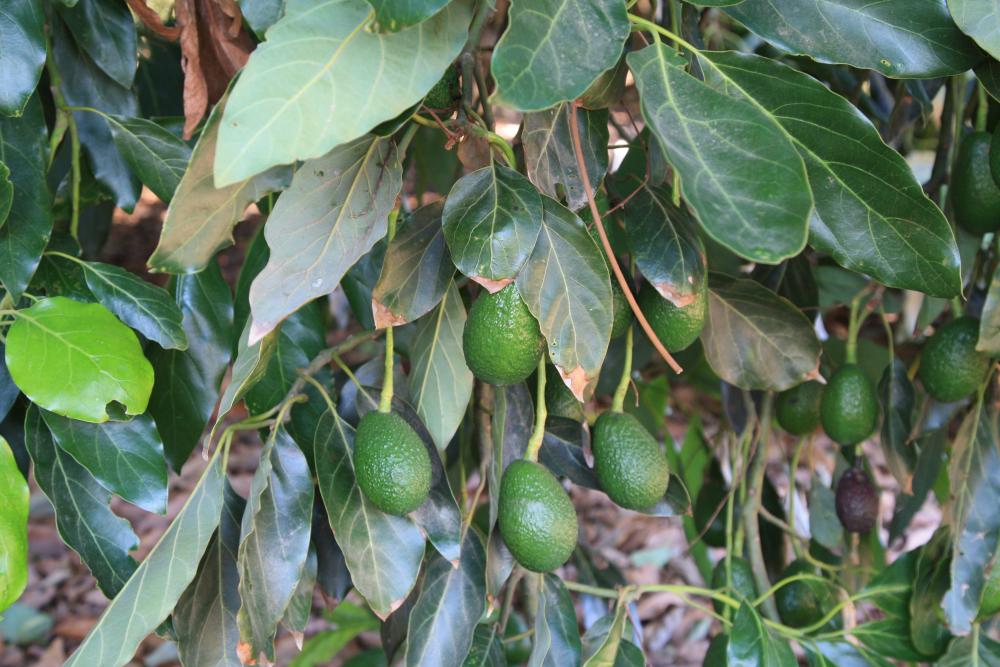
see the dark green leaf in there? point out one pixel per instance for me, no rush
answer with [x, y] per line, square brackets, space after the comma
[22, 32]
[889, 638]
[896, 394]
[261, 14]
[731, 156]
[299, 609]
[6, 193]
[755, 339]
[988, 73]
[487, 648]
[328, 81]
[553, 50]
[8, 390]
[249, 367]
[299, 339]
[492, 219]
[607, 89]
[931, 446]
[351, 620]
[557, 640]
[751, 644]
[105, 30]
[603, 641]
[927, 622]
[562, 452]
[395, 15]
[334, 211]
[14, 528]
[977, 650]
[157, 157]
[841, 654]
[824, 526]
[331, 570]
[899, 38]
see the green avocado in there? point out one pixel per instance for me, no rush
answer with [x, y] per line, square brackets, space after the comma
[950, 366]
[502, 341]
[621, 312]
[798, 408]
[975, 195]
[990, 603]
[849, 408]
[446, 93]
[559, 400]
[743, 588]
[715, 656]
[630, 464]
[391, 463]
[536, 517]
[676, 327]
[804, 602]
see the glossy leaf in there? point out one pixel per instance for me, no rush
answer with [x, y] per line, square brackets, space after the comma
[416, 271]
[261, 14]
[932, 446]
[553, 50]
[755, 339]
[898, 38]
[249, 367]
[562, 452]
[566, 286]
[322, 80]
[201, 216]
[511, 426]
[274, 542]
[23, 146]
[74, 358]
[85, 522]
[487, 648]
[824, 526]
[350, 620]
[157, 157]
[549, 156]
[739, 170]
[299, 608]
[980, 21]
[333, 213]
[492, 219]
[557, 640]
[22, 32]
[896, 394]
[299, 339]
[13, 528]
[604, 639]
[105, 30]
[751, 644]
[395, 15]
[451, 602]
[152, 592]
[126, 458]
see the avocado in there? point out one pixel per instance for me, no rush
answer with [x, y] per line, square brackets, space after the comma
[856, 501]
[559, 400]
[805, 602]
[849, 408]
[630, 464]
[676, 327]
[446, 93]
[502, 341]
[715, 656]
[798, 408]
[744, 588]
[391, 463]
[990, 601]
[950, 366]
[621, 312]
[536, 517]
[975, 196]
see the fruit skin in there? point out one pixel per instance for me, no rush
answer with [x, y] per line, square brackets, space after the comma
[715, 656]
[502, 341]
[676, 327]
[536, 517]
[446, 92]
[621, 312]
[856, 501]
[849, 409]
[629, 462]
[744, 587]
[391, 463]
[803, 603]
[559, 400]
[974, 194]
[990, 603]
[950, 366]
[798, 408]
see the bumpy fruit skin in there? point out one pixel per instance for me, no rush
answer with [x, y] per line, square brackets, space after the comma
[950, 366]
[716, 654]
[629, 463]
[974, 194]
[621, 312]
[803, 603]
[502, 341]
[849, 409]
[744, 587]
[676, 327]
[446, 92]
[391, 463]
[990, 603]
[856, 501]
[559, 400]
[798, 408]
[536, 517]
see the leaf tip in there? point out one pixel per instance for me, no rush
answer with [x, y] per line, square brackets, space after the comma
[492, 286]
[258, 330]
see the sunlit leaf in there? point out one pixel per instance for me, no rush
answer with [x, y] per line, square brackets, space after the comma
[13, 528]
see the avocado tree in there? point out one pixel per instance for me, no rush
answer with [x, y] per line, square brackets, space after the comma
[497, 239]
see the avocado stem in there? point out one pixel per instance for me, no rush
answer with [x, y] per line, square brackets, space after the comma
[385, 398]
[618, 401]
[538, 435]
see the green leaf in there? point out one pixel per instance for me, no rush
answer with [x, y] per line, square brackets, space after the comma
[980, 21]
[274, 542]
[751, 644]
[492, 219]
[511, 426]
[896, 394]
[6, 193]
[299, 339]
[989, 323]
[105, 30]
[205, 617]
[299, 609]
[898, 38]
[383, 552]
[755, 339]
[156, 156]
[841, 654]
[85, 522]
[451, 602]
[188, 382]
[249, 367]
[333, 213]
[22, 32]
[739, 171]
[928, 632]
[201, 216]
[553, 50]
[395, 15]
[351, 620]
[824, 526]
[605, 638]
[261, 14]
[931, 446]
[872, 215]
[126, 458]
[977, 650]
[440, 382]
[13, 528]
[416, 271]
[74, 358]
[550, 159]
[566, 286]
[23, 148]
[153, 590]
[487, 648]
[974, 472]
[323, 79]
[562, 452]
[988, 73]
[557, 640]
